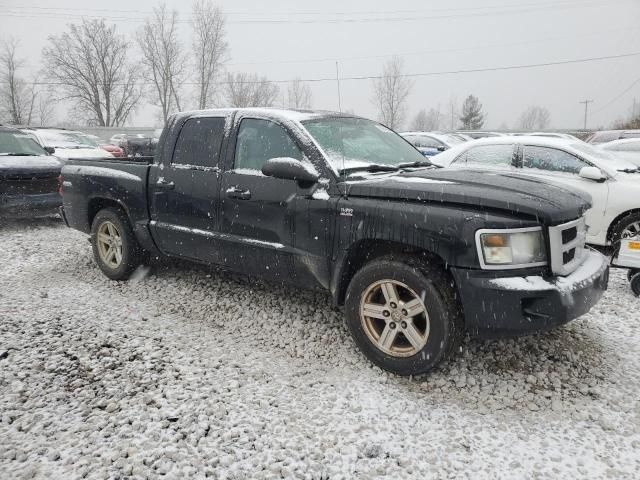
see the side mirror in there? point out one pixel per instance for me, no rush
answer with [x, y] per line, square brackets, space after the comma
[441, 148]
[592, 173]
[290, 169]
[49, 150]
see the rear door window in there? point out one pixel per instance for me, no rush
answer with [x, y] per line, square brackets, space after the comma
[199, 142]
[494, 156]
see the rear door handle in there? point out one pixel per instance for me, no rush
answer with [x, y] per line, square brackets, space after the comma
[236, 192]
[162, 184]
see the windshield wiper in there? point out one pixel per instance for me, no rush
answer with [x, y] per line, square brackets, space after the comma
[372, 167]
[18, 154]
[419, 163]
[630, 170]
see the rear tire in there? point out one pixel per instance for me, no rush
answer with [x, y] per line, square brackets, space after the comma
[403, 314]
[115, 248]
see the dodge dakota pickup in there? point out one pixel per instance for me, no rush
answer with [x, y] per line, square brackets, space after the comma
[417, 255]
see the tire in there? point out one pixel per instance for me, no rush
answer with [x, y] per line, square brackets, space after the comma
[626, 225]
[635, 283]
[421, 341]
[631, 273]
[123, 255]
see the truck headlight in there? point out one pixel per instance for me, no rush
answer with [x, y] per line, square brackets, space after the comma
[511, 248]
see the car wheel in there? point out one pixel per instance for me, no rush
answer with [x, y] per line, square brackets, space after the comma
[627, 227]
[115, 247]
[634, 280]
[403, 316]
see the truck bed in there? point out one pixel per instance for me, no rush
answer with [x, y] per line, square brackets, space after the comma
[109, 181]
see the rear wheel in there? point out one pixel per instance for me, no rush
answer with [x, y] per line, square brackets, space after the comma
[402, 315]
[115, 247]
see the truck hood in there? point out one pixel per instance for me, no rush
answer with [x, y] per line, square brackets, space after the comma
[516, 194]
[24, 166]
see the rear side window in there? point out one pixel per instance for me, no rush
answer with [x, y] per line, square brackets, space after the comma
[262, 140]
[487, 156]
[199, 142]
[551, 159]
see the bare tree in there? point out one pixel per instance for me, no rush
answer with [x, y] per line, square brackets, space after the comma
[299, 94]
[163, 58]
[89, 63]
[209, 47]
[45, 108]
[249, 90]
[16, 95]
[427, 121]
[391, 92]
[534, 118]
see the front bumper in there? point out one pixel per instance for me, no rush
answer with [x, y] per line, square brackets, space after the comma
[30, 205]
[496, 305]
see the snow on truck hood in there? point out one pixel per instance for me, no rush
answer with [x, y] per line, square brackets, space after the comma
[29, 164]
[497, 190]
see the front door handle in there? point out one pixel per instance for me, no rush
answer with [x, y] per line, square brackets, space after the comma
[236, 192]
[162, 184]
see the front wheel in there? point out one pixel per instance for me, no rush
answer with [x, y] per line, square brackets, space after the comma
[634, 280]
[115, 247]
[403, 316]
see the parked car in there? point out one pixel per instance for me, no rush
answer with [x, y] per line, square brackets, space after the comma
[325, 200]
[117, 138]
[628, 149]
[474, 134]
[138, 145]
[566, 136]
[610, 135]
[94, 140]
[431, 143]
[66, 144]
[613, 184]
[28, 176]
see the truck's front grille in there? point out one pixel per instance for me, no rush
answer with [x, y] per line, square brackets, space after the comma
[30, 185]
[566, 243]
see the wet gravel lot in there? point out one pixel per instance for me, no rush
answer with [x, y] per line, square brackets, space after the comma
[188, 372]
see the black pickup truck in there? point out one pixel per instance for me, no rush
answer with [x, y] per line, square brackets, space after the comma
[417, 255]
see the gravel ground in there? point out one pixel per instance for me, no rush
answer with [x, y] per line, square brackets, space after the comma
[189, 372]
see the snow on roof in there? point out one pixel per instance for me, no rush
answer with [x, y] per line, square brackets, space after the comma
[283, 114]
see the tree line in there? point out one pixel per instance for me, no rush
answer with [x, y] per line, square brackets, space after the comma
[91, 68]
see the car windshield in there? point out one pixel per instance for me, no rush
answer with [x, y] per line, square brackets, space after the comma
[19, 144]
[64, 139]
[611, 160]
[453, 139]
[356, 143]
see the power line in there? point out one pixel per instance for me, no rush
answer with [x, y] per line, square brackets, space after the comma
[407, 75]
[384, 19]
[332, 13]
[620, 95]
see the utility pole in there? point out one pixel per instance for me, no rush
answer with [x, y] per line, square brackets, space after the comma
[586, 105]
[338, 82]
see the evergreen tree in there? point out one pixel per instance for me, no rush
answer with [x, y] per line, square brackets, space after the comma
[472, 117]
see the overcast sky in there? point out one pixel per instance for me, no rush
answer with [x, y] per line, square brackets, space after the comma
[287, 39]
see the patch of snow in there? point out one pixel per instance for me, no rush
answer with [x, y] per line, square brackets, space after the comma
[320, 194]
[102, 172]
[249, 171]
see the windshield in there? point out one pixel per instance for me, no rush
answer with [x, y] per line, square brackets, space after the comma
[65, 139]
[611, 160]
[357, 143]
[19, 143]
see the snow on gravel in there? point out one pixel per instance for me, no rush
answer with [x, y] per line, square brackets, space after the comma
[189, 372]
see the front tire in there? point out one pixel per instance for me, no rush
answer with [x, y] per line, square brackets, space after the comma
[634, 280]
[115, 248]
[626, 227]
[403, 315]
